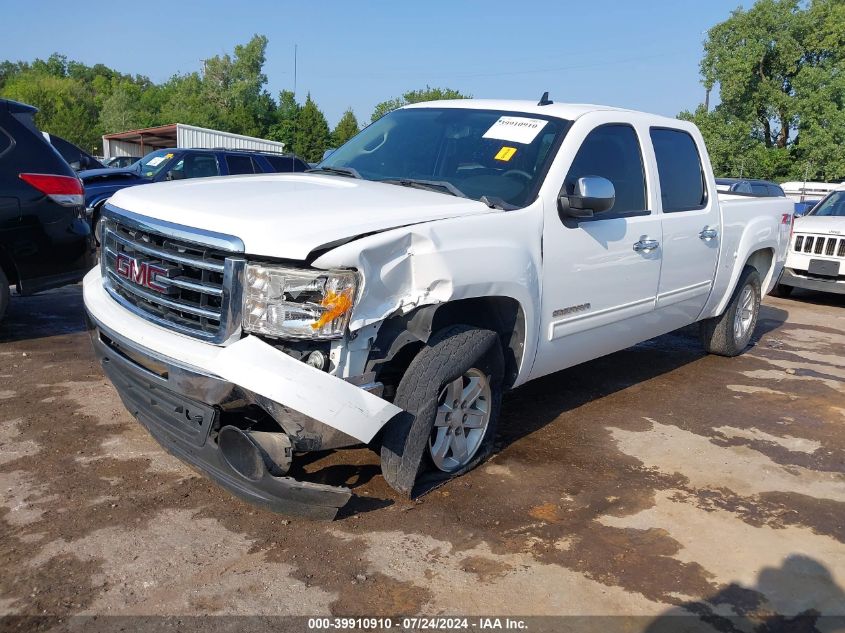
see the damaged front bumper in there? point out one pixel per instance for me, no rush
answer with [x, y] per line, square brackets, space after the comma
[184, 403]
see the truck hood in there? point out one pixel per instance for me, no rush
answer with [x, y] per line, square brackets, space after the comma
[821, 224]
[291, 215]
[107, 173]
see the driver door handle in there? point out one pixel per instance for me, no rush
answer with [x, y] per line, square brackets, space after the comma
[708, 233]
[646, 245]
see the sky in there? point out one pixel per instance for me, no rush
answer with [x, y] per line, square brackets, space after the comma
[636, 54]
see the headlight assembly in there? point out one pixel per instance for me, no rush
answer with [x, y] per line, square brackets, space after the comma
[297, 303]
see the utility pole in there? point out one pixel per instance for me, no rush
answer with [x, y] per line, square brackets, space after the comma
[707, 100]
[804, 186]
[293, 140]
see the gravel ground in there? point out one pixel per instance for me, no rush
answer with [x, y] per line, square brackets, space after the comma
[653, 482]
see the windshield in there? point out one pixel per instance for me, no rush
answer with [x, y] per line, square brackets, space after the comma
[153, 162]
[833, 205]
[476, 153]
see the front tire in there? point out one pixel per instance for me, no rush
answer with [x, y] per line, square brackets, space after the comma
[730, 333]
[451, 394]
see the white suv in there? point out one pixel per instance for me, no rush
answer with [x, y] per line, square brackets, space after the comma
[816, 258]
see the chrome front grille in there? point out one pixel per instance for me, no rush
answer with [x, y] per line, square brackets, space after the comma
[179, 278]
[819, 245]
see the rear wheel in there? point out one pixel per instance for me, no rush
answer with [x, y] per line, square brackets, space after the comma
[450, 394]
[729, 333]
[4, 293]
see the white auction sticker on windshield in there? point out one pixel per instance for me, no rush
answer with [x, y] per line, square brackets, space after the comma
[156, 161]
[516, 129]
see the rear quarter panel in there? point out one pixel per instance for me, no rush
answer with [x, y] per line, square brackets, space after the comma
[748, 225]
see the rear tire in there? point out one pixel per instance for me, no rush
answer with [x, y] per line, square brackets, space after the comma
[4, 293]
[730, 333]
[450, 395]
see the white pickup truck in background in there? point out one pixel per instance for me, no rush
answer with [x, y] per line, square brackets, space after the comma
[447, 253]
[816, 257]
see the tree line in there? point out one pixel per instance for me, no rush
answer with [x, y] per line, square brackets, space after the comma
[81, 103]
[778, 69]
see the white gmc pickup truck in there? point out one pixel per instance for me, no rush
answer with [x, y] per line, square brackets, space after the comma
[816, 257]
[449, 252]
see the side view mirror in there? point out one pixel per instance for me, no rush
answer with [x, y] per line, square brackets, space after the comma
[591, 195]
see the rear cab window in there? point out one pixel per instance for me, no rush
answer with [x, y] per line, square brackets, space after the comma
[682, 183]
[286, 164]
[240, 164]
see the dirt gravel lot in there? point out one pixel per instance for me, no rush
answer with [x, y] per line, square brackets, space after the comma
[655, 481]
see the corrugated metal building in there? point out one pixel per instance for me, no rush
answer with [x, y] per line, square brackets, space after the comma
[141, 142]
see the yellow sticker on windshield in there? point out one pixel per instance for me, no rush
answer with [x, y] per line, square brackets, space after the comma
[505, 154]
[168, 155]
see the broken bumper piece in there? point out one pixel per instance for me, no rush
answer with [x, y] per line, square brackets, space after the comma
[183, 426]
[188, 404]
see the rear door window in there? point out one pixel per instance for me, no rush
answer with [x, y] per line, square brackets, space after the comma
[680, 171]
[759, 189]
[240, 164]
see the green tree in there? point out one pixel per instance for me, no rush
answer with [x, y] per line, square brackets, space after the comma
[123, 109]
[66, 106]
[780, 71]
[285, 118]
[416, 96]
[754, 56]
[346, 128]
[312, 132]
[234, 87]
[184, 101]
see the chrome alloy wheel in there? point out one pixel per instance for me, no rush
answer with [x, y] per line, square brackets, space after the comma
[744, 313]
[463, 414]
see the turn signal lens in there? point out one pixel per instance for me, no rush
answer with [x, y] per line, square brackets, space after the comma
[336, 304]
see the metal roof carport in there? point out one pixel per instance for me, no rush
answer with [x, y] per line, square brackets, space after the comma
[140, 142]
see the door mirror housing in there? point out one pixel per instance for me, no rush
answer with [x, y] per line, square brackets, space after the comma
[591, 195]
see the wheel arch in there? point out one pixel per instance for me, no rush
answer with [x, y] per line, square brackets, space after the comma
[400, 338]
[764, 262]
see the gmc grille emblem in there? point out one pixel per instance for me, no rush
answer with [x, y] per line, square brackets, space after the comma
[142, 273]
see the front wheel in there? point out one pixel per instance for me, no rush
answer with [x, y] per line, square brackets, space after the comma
[730, 333]
[450, 395]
